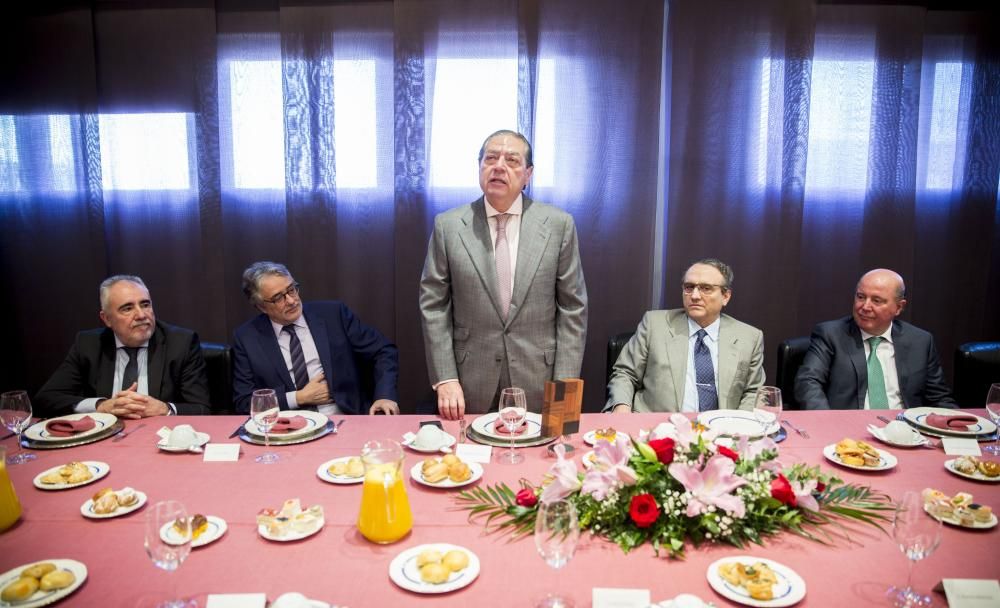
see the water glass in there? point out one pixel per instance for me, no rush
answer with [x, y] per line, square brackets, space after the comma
[993, 409]
[513, 410]
[264, 411]
[557, 532]
[917, 534]
[767, 407]
[15, 414]
[168, 556]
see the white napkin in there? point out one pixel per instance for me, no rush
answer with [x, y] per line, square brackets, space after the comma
[297, 600]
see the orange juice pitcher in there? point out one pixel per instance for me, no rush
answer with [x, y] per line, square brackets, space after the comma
[10, 507]
[385, 515]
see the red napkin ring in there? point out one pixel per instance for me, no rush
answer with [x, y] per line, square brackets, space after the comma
[68, 428]
[960, 422]
[287, 424]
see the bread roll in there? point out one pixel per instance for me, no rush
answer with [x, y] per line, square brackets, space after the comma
[427, 464]
[455, 560]
[435, 573]
[39, 570]
[428, 557]
[20, 590]
[450, 459]
[459, 472]
[57, 579]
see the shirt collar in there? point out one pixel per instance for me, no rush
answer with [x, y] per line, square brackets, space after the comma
[120, 344]
[515, 209]
[712, 330]
[299, 323]
[886, 335]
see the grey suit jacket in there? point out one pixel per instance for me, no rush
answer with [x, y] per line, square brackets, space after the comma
[651, 370]
[465, 336]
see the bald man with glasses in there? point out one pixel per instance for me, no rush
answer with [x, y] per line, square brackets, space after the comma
[693, 359]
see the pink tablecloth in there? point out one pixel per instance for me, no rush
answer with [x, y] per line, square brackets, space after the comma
[339, 566]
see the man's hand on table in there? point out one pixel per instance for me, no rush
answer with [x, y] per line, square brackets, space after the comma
[622, 408]
[386, 406]
[451, 400]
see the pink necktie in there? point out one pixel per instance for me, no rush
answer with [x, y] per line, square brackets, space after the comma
[501, 252]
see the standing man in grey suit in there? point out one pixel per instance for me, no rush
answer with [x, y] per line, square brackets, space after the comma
[502, 296]
[690, 360]
[840, 372]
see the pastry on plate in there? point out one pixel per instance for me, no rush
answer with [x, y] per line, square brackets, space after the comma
[434, 573]
[57, 579]
[352, 467]
[989, 468]
[38, 570]
[20, 590]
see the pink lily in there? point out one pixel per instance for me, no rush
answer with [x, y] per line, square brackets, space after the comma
[711, 486]
[565, 479]
[804, 498]
[610, 468]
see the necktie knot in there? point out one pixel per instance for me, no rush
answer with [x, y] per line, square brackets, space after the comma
[874, 341]
[502, 221]
[290, 328]
[132, 352]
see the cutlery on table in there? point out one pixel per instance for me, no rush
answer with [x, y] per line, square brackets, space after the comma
[802, 432]
[239, 428]
[123, 434]
[337, 425]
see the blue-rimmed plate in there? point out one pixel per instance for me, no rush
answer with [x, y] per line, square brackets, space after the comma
[404, 572]
[917, 416]
[484, 425]
[314, 424]
[97, 471]
[737, 422]
[44, 598]
[789, 589]
[102, 423]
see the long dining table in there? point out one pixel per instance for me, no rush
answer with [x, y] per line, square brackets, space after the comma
[339, 566]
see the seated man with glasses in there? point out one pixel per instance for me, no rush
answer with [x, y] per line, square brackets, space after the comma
[134, 367]
[314, 355]
[691, 360]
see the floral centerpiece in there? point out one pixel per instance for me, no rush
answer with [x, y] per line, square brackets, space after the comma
[678, 484]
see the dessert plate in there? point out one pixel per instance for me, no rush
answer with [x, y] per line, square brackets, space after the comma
[789, 589]
[886, 460]
[590, 437]
[44, 598]
[474, 467]
[484, 425]
[918, 416]
[323, 472]
[213, 532]
[879, 433]
[103, 422]
[737, 422]
[314, 423]
[292, 534]
[955, 521]
[97, 470]
[977, 475]
[87, 508]
[404, 572]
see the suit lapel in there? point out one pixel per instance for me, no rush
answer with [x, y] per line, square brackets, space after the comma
[269, 344]
[475, 237]
[106, 366]
[532, 240]
[317, 327]
[156, 359]
[728, 359]
[677, 351]
[899, 347]
[857, 350]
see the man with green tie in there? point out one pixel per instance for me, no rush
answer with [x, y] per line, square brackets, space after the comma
[872, 360]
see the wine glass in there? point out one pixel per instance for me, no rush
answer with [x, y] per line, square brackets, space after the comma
[168, 542]
[15, 413]
[993, 409]
[264, 412]
[513, 409]
[917, 535]
[767, 406]
[557, 532]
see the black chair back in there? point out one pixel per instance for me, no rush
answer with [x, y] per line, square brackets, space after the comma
[219, 369]
[615, 345]
[791, 352]
[977, 366]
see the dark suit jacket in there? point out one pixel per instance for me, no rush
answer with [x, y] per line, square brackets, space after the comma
[349, 351]
[834, 374]
[175, 367]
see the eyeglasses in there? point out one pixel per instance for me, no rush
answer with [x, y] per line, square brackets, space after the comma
[706, 289]
[291, 292]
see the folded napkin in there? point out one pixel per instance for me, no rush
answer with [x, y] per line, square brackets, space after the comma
[68, 428]
[501, 428]
[960, 422]
[287, 424]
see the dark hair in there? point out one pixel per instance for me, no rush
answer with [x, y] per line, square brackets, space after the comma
[527, 155]
[722, 267]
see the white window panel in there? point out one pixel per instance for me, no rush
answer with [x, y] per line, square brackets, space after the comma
[146, 151]
[354, 115]
[258, 129]
[9, 161]
[61, 153]
[943, 142]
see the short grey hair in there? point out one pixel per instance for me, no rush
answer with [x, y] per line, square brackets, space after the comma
[528, 162]
[255, 272]
[722, 267]
[109, 282]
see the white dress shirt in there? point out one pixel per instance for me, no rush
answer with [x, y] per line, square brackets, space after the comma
[886, 355]
[313, 365]
[691, 382]
[121, 360]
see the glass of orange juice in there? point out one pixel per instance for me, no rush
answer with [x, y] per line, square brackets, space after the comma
[385, 515]
[10, 508]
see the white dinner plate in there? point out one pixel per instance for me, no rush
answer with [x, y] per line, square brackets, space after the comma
[44, 598]
[315, 422]
[590, 437]
[977, 475]
[879, 433]
[886, 460]
[474, 467]
[446, 442]
[291, 534]
[789, 589]
[37, 432]
[952, 520]
[918, 416]
[203, 438]
[323, 472]
[97, 469]
[216, 528]
[87, 508]
[484, 426]
[737, 422]
[404, 572]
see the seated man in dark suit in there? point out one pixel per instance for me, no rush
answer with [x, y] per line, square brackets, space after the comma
[133, 368]
[309, 353]
[840, 371]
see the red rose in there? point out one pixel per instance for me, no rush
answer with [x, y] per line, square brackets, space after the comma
[664, 449]
[729, 453]
[644, 510]
[782, 490]
[526, 498]
[820, 486]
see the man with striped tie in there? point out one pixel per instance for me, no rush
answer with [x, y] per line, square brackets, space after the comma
[315, 355]
[872, 360]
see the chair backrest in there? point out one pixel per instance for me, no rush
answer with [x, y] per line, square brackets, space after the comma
[219, 369]
[615, 345]
[791, 352]
[977, 366]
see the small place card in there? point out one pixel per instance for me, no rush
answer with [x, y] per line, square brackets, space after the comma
[236, 600]
[611, 597]
[474, 452]
[970, 592]
[960, 446]
[222, 452]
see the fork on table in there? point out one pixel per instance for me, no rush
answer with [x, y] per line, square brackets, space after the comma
[802, 432]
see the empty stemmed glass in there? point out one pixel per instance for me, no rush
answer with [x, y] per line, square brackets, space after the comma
[168, 542]
[15, 414]
[264, 412]
[513, 410]
[993, 409]
[557, 532]
[767, 406]
[917, 536]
